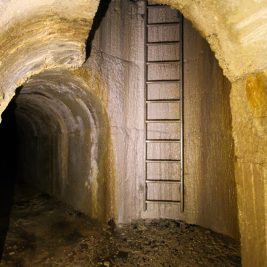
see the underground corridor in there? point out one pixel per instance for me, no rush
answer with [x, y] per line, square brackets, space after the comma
[56, 140]
[127, 137]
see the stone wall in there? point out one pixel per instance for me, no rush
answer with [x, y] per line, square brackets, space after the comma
[118, 54]
[39, 35]
[249, 108]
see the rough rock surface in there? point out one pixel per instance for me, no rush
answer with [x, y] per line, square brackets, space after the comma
[235, 29]
[44, 232]
[249, 109]
[39, 35]
[210, 199]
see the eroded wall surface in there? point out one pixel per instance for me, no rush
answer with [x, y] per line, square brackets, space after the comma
[249, 107]
[235, 29]
[39, 35]
[118, 54]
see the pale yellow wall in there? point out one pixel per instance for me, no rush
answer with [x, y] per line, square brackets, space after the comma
[40, 35]
[232, 27]
[236, 31]
[249, 109]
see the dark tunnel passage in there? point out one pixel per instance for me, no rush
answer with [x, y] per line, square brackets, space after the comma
[52, 134]
[8, 165]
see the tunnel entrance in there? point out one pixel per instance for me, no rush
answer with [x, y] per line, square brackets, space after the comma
[58, 125]
[55, 139]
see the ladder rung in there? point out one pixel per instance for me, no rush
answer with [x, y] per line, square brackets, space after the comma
[163, 202]
[162, 43]
[162, 5]
[163, 181]
[163, 120]
[162, 62]
[163, 141]
[163, 81]
[162, 24]
[163, 100]
[162, 160]
[175, 24]
[157, 5]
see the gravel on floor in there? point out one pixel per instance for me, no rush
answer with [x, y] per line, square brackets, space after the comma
[44, 232]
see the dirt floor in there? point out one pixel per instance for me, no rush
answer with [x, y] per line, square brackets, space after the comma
[44, 232]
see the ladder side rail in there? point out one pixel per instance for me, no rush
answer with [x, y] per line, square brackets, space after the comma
[182, 112]
[145, 98]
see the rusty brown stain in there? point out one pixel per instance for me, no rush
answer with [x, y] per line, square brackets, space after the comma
[256, 90]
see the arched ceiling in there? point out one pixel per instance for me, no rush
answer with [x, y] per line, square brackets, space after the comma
[59, 102]
[45, 34]
[59, 110]
[235, 29]
[61, 99]
[39, 35]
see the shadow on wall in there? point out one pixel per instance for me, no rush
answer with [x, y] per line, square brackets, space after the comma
[100, 14]
[8, 164]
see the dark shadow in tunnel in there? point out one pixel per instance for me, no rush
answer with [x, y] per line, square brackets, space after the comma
[8, 164]
[100, 14]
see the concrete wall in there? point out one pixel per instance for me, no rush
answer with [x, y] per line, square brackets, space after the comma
[118, 54]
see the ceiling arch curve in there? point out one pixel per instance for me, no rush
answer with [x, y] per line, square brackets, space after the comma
[235, 29]
[39, 35]
[49, 34]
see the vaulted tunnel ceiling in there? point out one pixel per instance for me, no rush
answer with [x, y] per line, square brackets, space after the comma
[48, 33]
[60, 118]
[59, 101]
[39, 35]
[235, 29]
